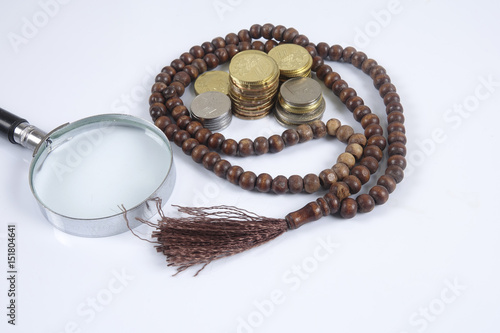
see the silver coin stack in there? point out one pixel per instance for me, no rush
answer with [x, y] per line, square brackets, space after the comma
[212, 109]
[300, 101]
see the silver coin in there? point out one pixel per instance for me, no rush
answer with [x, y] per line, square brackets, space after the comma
[296, 119]
[212, 109]
[301, 91]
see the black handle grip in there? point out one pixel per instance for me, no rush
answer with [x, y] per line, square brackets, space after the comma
[8, 123]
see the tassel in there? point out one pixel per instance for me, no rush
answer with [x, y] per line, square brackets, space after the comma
[210, 233]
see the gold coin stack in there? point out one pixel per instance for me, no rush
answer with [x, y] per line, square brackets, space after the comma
[293, 61]
[253, 84]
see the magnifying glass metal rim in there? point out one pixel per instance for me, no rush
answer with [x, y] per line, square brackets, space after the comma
[115, 223]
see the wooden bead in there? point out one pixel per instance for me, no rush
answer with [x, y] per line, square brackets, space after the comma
[347, 158]
[354, 102]
[396, 148]
[164, 78]
[258, 45]
[215, 141]
[376, 70]
[347, 54]
[290, 137]
[323, 70]
[305, 132]
[162, 122]
[341, 170]
[187, 58]
[197, 52]
[348, 208]
[295, 184]
[263, 182]
[278, 31]
[219, 42]
[374, 151]
[395, 117]
[290, 34]
[333, 202]
[377, 140]
[261, 145]
[232, 38]
[396, 172]
[169, 92]
[269, 45]
[380, 80]
[157, 110]
[169, 70]
[208, 47]
[332, 126]
[388, 182]
[234, 173]
[280, 184]
[355, 149]
[386, 88]
[203, 135]
[373, 129]
[340, 190]
[301, 40]
[255, 31]
[354, 183]
[319, 129]
[397, 160]
[344, 132]
[229, 147]
[370, 162]
[327, 177]
[368, 65]
[396, 137]
[188, 145]
[396, 127]
[221, 168]
[392, 97]
[247, 180]
[323, 205]
[193, 127]
[211, 60]
[394, 106]
[358, 58]
[192, 71]
[358, 138]
[379, 194]
[330, 78]
[210, 159]
[245, 147]
[267, 30]
[323, 49]
[180, 137]
[365, 203]
[276, 143]
[308, 213]
[369, 119]
[347, 93]
[171, 103]
[335, 52]
[156, 98]
[244, 35]
[199, 152]
[183, 78]
[338, 86]
[222, 54]
[177, 64]
[311, 183]
[170, 131]
[158, 87]
[360, 111]
[362, 173]
[244, 46]
[179, 111]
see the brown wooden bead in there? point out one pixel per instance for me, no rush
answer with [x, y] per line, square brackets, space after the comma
[344, 132]
[193, 127]
[396, 137]
[311, 48]
[183, 121]
[215, 141]
[379, 194]
[247, 180]
[202, 135]
[295, 184]
[232, 50]
[395, 117]
[311, 183]
[158, 87]
[171, 103]
[230, 147]
[192, 71]
[396, 172]
[388, 182]
[397, 160]
[354, 183]
[244, 35]
[340, 190]
[325, 209]
[377, 140]
[258, 45]
[396, 148]
[267, 31]
[362, 173]
[177, 64]
[323, 49]
[301, 40]
[374, 151]
[376, 70]
[305, 132]
[222, 55]
[221, 168]
[386, 88]
[280, 184]
[392, 97]
[394, 106]
[208, 47]
[277, 32]
[347, 93]
[255, 31]
[179, 111]
[370, 162]
[264, 182]
[169, 92]
[317, 63]
[360, 112]
[170, 131]
[210, 159]
[234, 173]
[323, 71]
[347, 158]
[335, 52]
[180, 137]
[319, 129]
[358, 138]
[188, 145]
[308, 213]
[163, 78]
[156, 98]
[341, 170]
[380, 80]
[333, 202]
[338, 86]
[244, 46]
[157, 110]
[358, 58]
[219, 42]
[269, 45]
[347, 54]
[330, 78]
[368, 65]
[197, 52]
[348, 208]
[162, 122]
[261, 145]
[200, 65]
[355, 149]
[187, 58]
[332, 126]
[290, 34]
[290, 137]
[199, 152]
[353, 102]
[369, 119]
[365, 203]
[327, 177]
[373, 129]
[276, 143]
[232, 38]
[245, 147]
[211, 60]
[396, 127]
[169, 70]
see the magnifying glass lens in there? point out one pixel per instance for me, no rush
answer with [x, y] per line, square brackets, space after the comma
[89, 171]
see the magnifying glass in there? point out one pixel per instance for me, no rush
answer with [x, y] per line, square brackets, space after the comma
[82, 173]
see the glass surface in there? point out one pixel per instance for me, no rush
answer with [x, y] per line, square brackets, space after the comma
[91, 170]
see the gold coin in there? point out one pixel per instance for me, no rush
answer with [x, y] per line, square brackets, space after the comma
[252, 68]
[292, 59]
[212, 81]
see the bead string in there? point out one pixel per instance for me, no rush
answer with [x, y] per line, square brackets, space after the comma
[200, 143]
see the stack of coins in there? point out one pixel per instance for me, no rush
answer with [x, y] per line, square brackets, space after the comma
[212, 109]
[212, 81]
[293, 61]
[253, 84]
[300, 101]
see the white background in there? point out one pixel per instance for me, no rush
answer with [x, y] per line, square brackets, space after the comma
[426, 261]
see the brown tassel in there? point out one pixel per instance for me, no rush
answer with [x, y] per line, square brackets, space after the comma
[211, 233]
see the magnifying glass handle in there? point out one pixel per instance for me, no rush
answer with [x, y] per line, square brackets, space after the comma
[18, 131]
